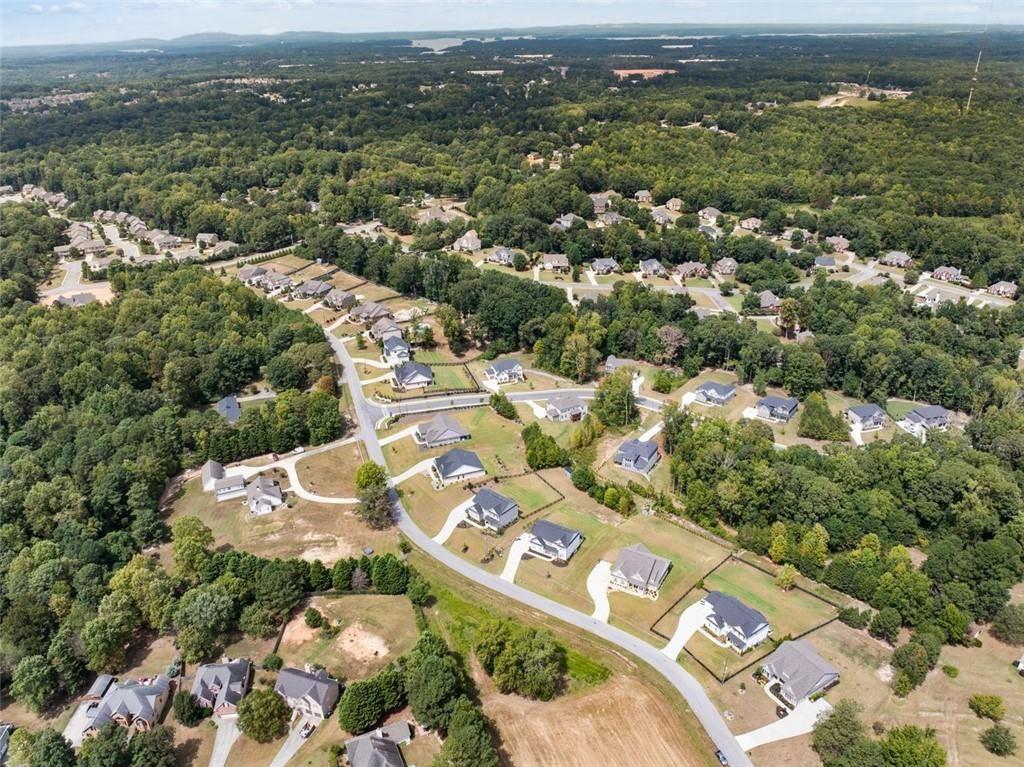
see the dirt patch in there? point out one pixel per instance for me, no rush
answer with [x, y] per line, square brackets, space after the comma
[298, 632]
[362, 644]
[327, 549]
[885, 673]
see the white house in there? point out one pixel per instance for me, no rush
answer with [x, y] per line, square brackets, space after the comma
[926, 418]
[638, 455]
[308, 692]
[566, 408]
[468, 242]
[456, 465]
[396, 351]
[552, 541]
[869, 417]
[733, 623]
[413, 375]
[714, 394]
[492, 510]
[638, 571]
[263, 495]
[505, 371]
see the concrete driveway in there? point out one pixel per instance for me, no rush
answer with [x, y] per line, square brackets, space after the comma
[293, 742]
[515, 553]
[691, 620]
[540, 412]
[423, 467]
[75, 729]
[455, 516]
[688, 398]
[597, 587]
[801, 720]
[227, 734]
[855, 434]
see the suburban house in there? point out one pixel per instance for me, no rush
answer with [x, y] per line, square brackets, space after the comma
[661, 216]
[369, 312]
[839, 243]
[769, 301]
[714, 394]
[220, 686]
[709, 215]
[502, 256]
[947, 274]
[211, 472]
[228, 488]
[674, 204]
[643, 195]
[926, 418]
[777, 409]
[565, 222]
[730, 621]
[379, 747]
[896, 258]
[263, 495]
[610, 218]
[637, 455]
[600, 200]
[340, 299]
[1004, 289]
[396, 351]
[206, 238]
[492, 510]
[558, 262]
[613, 363]
[251, 275]
[385, 328]
[440, 430]
[468, 242]
[711, 232]
[726, 265]
[413, 375]
[76, 300]
[690, 269]
[566, 408]
[273, 281]
[825, 262]
[229, 408]
[307, 692]
[751, 224]
[136, 706]
[604, 265]
[552, 541]
[312, 289]
[795, 672]
[455, 466]
[436, 214]
[868, 417]
[651, 267]
[223, 247]
[504, 371]
[638, 571]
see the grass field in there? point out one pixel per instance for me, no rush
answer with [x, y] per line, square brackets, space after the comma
[332, 472]
[368, 632]
[297, 529]
[286, 264]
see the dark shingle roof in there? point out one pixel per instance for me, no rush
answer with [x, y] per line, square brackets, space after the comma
[733, 612]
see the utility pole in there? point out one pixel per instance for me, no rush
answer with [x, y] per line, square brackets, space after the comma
[974, 82]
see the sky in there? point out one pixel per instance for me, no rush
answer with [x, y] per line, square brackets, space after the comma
[37, 22]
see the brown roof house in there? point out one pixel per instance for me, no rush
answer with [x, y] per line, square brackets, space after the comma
[136, 706]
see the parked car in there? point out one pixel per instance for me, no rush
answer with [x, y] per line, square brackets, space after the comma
[781, 712]
[721, 759]
[299, 449]
[307, 729]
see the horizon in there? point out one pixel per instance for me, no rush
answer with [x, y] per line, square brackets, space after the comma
[99, 22]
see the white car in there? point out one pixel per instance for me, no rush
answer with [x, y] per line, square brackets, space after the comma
[298, 450]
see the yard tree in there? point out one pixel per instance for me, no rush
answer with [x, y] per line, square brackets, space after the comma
[522, 660]
[1009, 624]
[341, 574]
[987, 706]
[187, 710]
[911, 664]
[912, 746]
[814, 547]
[323, 419]
[390, 576]
[374, 506]
[280, 585]
[263, 715]
[786, 577]
[257, 621]
[818, 422]
[614, 401]
[63, 656]
[468, 742]
[148, 585]
[370, 474]
[835, 733]
[34, 682]
[319, 576]
[789, 316]
[433, 681]
[40, 748]
[108, 748]
[313, 617]
[998, 740]
[503, 406]
[778, 550]
[886, 625]
[191, 541]
[360, 580]
[203, 614]
[367, 701]
[418, 590]
[153, 748]
[105, 637]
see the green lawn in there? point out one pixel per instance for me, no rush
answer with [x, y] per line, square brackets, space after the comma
[898, 408]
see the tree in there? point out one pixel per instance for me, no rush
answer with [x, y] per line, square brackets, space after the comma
[503, 406]
[818, 422]
[786, 577]
[998, 740]
[370, 474]
[187, 710]
[886, 625]
[987, 706]
[360, 580]
[418, 590]
[257, 621]
[153, 748]
[433, 681]
[911, 746]
[263, 715]
[1008, 625]
[469, 742]
[34, 682]
[390, 576]
[778, 550]
[323, 419]
[40, 748]
[521, 660]
[367, 701]
[314, 619]
[838, 731]
[374, 506]
[108, 748]
[912, 666]
[614, 401]
[191, 542]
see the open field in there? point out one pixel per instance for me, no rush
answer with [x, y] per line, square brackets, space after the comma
[332, 472]
[286, 264]
[313, 271]
[345, 281]
[368, 632]
[299, 528]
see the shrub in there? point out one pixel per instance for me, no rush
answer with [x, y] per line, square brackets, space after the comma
[855, 618]
[951, 671]
[503, 406]
[367, 701]
[522, 660]
[998, 740]
[313, 618]
[187, 710]
[263, 715]
[886, 624]
[272, 662]
[1008, 625]
[987, 707]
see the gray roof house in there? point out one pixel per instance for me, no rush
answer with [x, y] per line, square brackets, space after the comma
[604, 265]
[896, 258]
[207, 238]
[769, 301]
[778, 409]
[136, 706]
[925, 418]
[947, 274]
[733, 622]
[610, 218]
[638, 571]
[340, 299]
[413, 375]
[565, 222]
[313, 289]
[379, 747]
[469, 242]
[313, 693]
[229, 408]
[440, 430]
[838, 242]
[868, 417]
[1003, 288]
[795, 672]
[726, 265]
[643, 195]
[674, 203]
[211, 472]
[825, 262]
[566, 408]
[709, 214]
[229, 487]
[99, 687]
[711, 232]
[636, 455]
[553, 541]
[492, 510]
[661, 216]
[651, 267]
[251, 275]
[396, 350]
[384, 328]
[77, 299]
[502, 256]
[558, 262]
[220, 686]
[690, 269]
[273, 280]
[505, 371]
[371, 311]
[712, 393]
[263, 496]
[613, 363]
[455, 466]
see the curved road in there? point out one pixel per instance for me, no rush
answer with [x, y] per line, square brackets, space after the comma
[367, 416]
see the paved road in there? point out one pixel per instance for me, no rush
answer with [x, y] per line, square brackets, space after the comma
[130, 249]
[705, 711]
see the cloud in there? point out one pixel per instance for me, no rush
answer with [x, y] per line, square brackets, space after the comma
[36, 8]
[75, 6]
